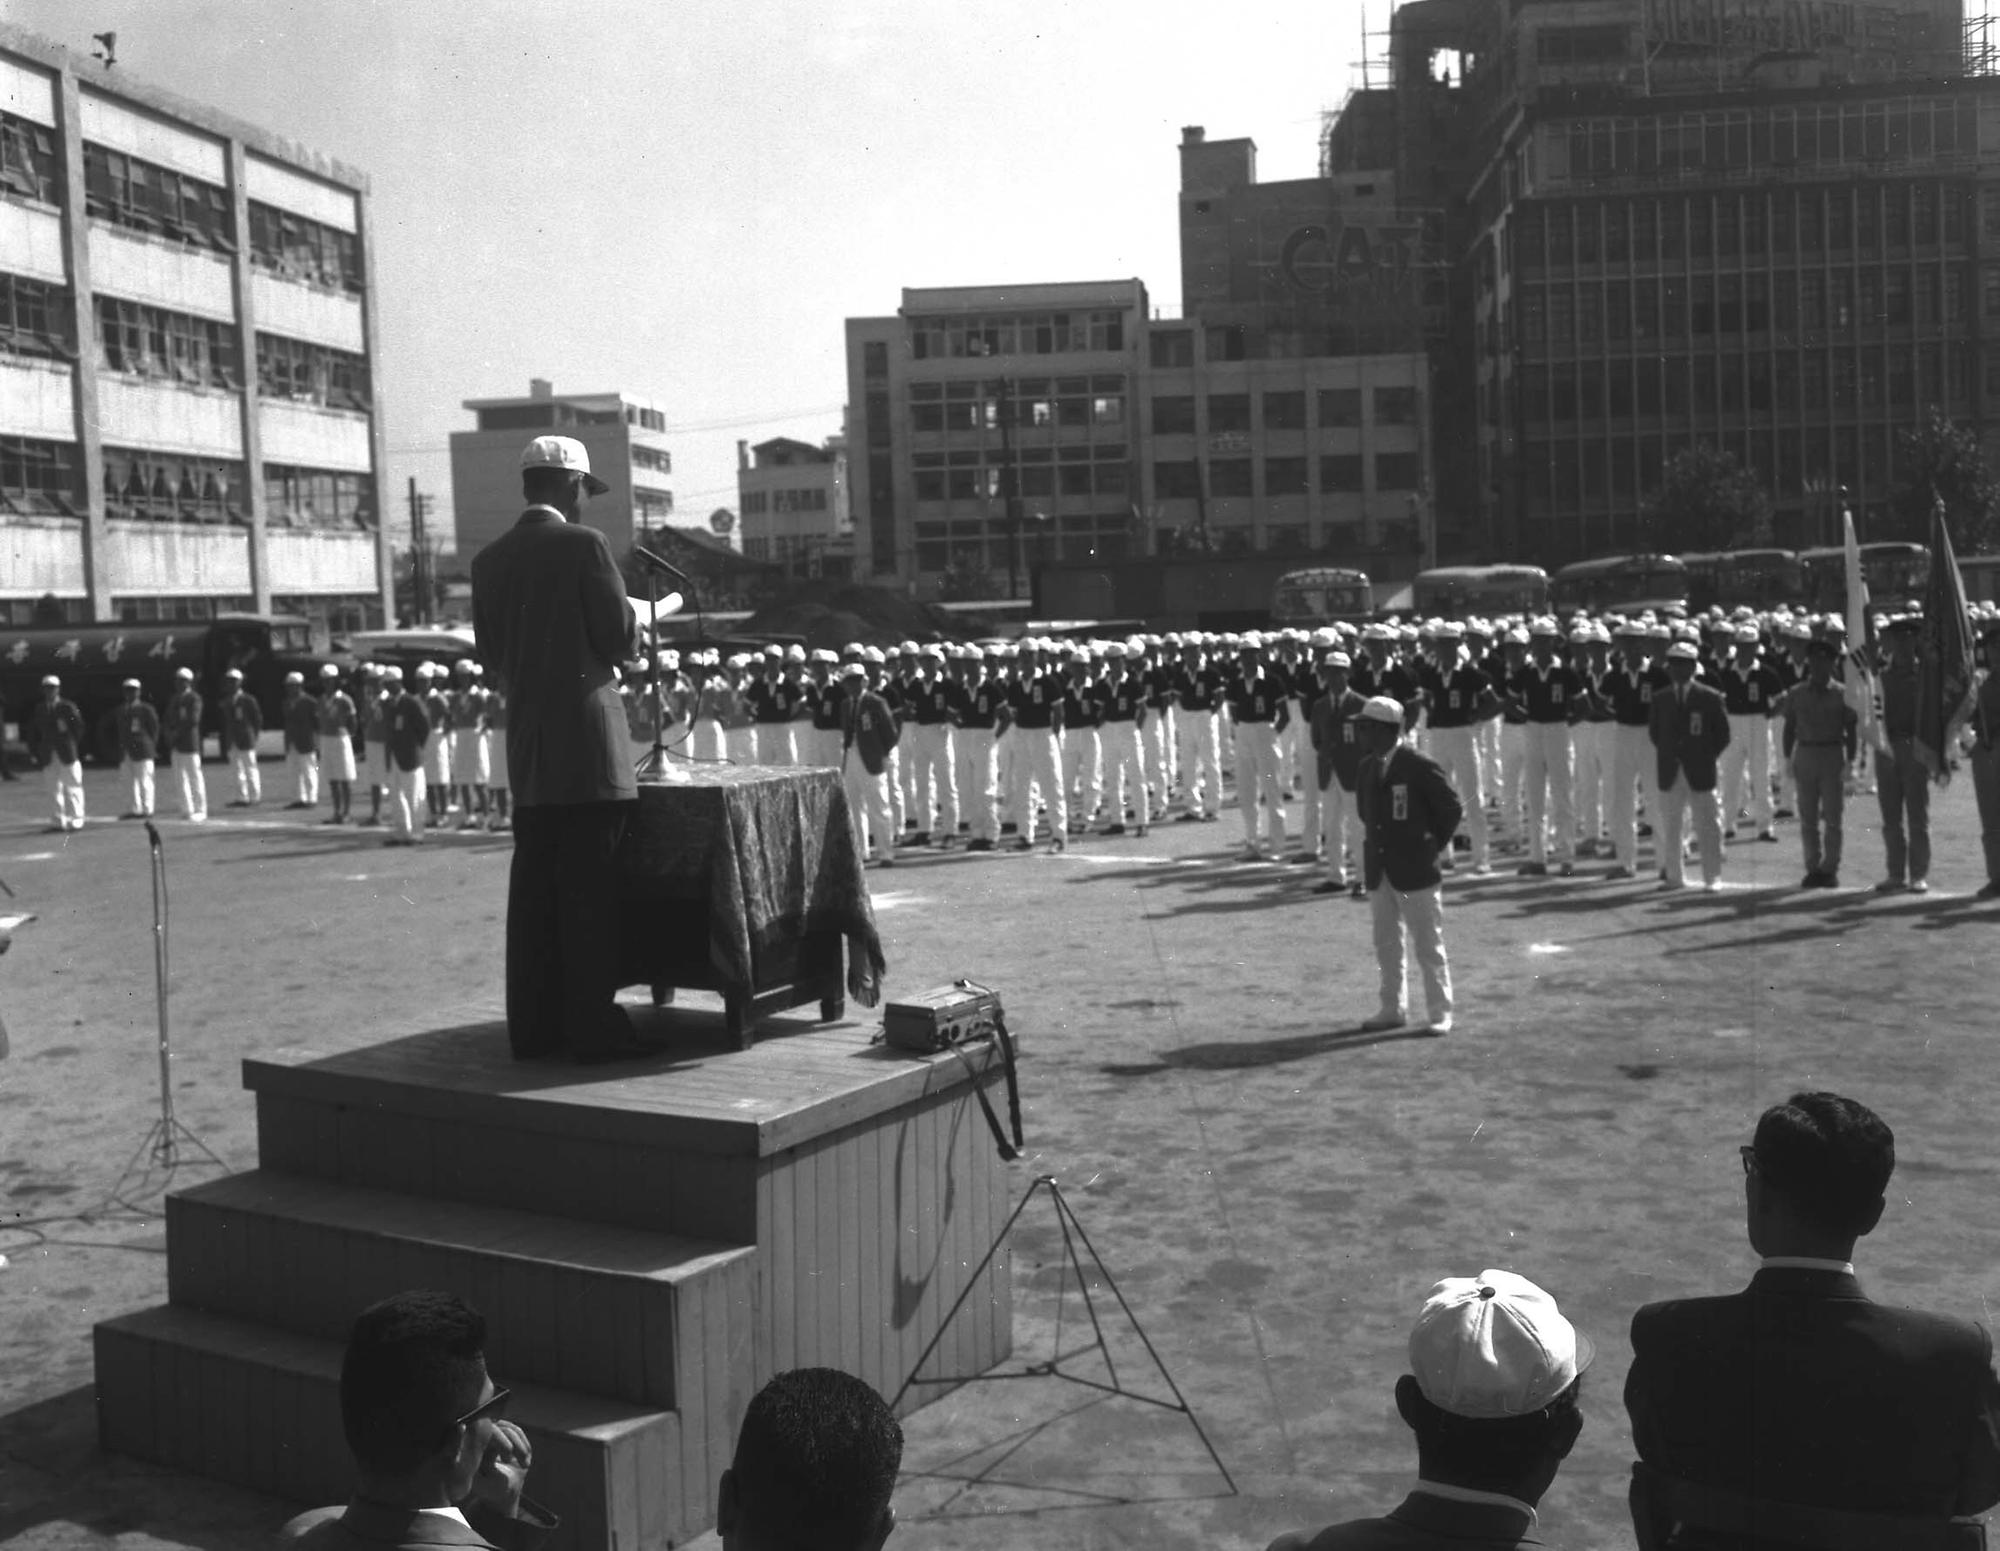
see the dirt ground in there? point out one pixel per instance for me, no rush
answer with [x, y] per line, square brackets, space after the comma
[1272, 1191]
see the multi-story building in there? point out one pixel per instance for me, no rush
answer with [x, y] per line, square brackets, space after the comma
[1771, 229]
[626, 440]
[187, 321]
[793, 500]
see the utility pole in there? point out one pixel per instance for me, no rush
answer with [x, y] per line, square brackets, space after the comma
[420, 556]
[1010, 484]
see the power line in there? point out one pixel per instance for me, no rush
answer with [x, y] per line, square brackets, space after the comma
[677, 430]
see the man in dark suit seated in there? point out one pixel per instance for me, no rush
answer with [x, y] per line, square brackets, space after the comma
[1494, 1401]
[436, 1462]
[816, 1460]
[553, 623]
[1799, 1390]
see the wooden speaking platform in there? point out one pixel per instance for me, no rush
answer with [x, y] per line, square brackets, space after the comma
[649, 1243]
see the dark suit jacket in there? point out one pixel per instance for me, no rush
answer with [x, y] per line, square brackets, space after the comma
[551, 619]
[1800, 1389]
[1408, 813]
[1688, 739]
[1423, 1523]
[366, 1526]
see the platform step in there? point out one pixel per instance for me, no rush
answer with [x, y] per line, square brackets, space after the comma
[260, 1407]
[651, 1318]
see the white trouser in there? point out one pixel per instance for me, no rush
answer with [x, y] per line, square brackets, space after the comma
[775, 745]
[1513, 766]
[249, 781]
[830, 743]
[1159, 735]
[1124, 757]
[1487, 740]
[933, 779]
[868, 806]
[1631, 769]
[1006, 749]
[437, 758]
[972, 777]
[1707, 808]
[1292, 764]
[1339, 826]
[1083, 771]
[194, 790]
[138, 774]
[470, 757]
[705, 740]
[1417, 916]
[1549, 774]
[1748, 758]
[1199, 749]
[740, 745]
[65, 783]
[1257, 782]
[305, 777]
[1592, 742]
[406, 801]
[1036, 762]
[1457, 749]
[892, 772]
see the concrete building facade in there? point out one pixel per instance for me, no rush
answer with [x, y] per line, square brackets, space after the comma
[626, 439]
[792, 497]
[188, 415]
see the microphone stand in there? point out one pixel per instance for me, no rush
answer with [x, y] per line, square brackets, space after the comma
[654, 764]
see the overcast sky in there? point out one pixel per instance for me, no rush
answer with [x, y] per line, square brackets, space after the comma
[683, 200]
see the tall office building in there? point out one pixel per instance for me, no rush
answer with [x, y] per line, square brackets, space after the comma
[625, 437]
[187, 321]
[795, 512]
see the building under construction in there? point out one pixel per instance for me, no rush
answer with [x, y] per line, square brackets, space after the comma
[1772, 226]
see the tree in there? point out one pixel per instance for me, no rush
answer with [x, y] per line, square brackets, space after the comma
[967, 579]
[1706, 501]
[1943, 460]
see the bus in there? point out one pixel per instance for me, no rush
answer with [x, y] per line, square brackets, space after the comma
[1757, 578]
[1324, 595]
[1463, 591]
[1624, 583]
[1896, 574]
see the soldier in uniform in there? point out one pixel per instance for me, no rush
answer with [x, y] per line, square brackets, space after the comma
[1751, 689]
[1033, 722]
[301, 742]
[1082, 748]
[337, 718]
[773, 700]
[1820, 733]
[183, 735]
[409, 730]
[1985, 729]
[869, 730]
[1461, 701]
[1409, 813]
[1123, 703]
[1590, 655]
[1550, 694]
[1336, 744]
[1158, 731]
[138, 746]
[1197, 690]
[242, 726]
[824, 698]
[57, 734]
[1257, 707]
[977, 698]
[933, 780]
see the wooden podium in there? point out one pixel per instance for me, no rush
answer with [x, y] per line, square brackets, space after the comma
[649, 1243]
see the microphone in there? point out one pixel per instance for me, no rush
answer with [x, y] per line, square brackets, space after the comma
[658, 564]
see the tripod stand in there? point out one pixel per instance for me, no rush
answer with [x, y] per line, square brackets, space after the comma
[162, 1147]
[1072, 1235]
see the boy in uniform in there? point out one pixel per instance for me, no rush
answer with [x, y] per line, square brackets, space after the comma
[1409, 813]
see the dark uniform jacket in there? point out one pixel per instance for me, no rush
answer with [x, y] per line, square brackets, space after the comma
[1800, 1389]
[1689, 735]
[58, 731]
[870, 728]
[302, 724]
[1334, 740]
[138, 730]
[1409, 813]
[551, 617]
[184, 722]
[409, 731]
[1425, 1522]
[242, 720]
[365, 1526]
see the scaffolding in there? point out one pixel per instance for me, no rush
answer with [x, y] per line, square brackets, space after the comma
[1977, 52]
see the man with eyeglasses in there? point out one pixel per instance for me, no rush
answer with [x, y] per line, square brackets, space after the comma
[436, 1461]
[1799, 1395]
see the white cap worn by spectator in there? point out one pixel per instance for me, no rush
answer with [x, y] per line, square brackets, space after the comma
[1382, 708]
[562, 452]
[1494, 1346]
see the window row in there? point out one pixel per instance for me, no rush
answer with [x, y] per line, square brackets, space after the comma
[995, 546]
[1789, 463]
[317, 498]
[300, 248]
[128, 191]
[1855, 134]
[35, 317]
[1339, 473]
[313, 374]
[652, 506]
[652, 458]
[1031, 403]
[28, 164]
[1048, 333]
[38, 476]
[1174, 413]
[173, 487]
[1788, 382]
[758, 502]
[1677, 307]
[645, 419]
[1705, 227]
[966, 477]
[153, 342]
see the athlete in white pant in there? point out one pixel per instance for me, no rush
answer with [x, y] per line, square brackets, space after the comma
[1037, 763]
[933, 780]
[1200, 756]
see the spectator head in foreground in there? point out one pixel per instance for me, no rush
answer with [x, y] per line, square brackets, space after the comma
[815, 1464]
[1815, 1173]
[422, 1418]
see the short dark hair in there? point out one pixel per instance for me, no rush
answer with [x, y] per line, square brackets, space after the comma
[816, 1458]
[1830, 1157]
[1491, 1449]
[414, 1364]
[549, 484]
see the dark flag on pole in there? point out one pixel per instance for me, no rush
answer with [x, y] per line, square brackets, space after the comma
[1945, 663]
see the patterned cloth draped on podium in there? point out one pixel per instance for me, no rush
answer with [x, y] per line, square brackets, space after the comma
[746, 881]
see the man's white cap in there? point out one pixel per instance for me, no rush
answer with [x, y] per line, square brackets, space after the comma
[50, 681]
[1115, 649]
[854, 670]
[1336, 659]
[1685, 651]
[393, 674]
[232, 673]
[134, 683]
[1746, 635]
[1494, 1346]
[562, 452]
[795, 653]
[1383, 708]
[290, 678]
[328, 670]
[184, 673]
